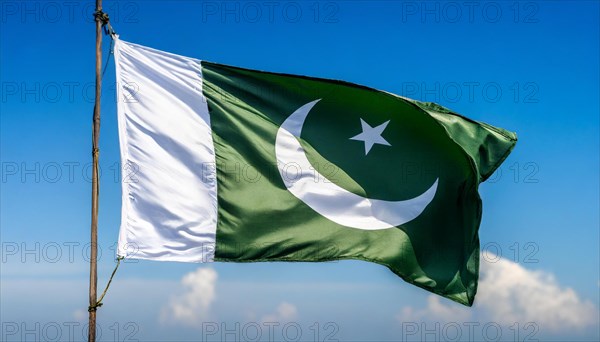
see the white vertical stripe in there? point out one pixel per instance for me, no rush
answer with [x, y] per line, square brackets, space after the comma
[169, 185]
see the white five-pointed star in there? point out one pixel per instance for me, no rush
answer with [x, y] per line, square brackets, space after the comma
[371, 135]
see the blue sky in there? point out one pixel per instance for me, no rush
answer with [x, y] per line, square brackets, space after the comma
[530, 67]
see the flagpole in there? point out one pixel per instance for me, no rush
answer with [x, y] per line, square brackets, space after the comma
[95, 154]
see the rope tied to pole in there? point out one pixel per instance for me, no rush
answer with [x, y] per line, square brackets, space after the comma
[99, 302]
[103, 17]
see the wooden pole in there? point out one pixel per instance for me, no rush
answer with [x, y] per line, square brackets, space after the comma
[95, 154]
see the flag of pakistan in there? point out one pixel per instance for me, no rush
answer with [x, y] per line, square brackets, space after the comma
[231, 164]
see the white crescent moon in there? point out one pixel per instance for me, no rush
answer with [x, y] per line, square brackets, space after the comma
[329, 200]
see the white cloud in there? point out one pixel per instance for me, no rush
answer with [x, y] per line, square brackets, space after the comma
[510, 293]
[285, 312]
[435, 310]
[192, 305]
[447, 312]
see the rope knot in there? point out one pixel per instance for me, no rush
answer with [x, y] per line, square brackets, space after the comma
[101, 16]
[99, 303]
[92, 308]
